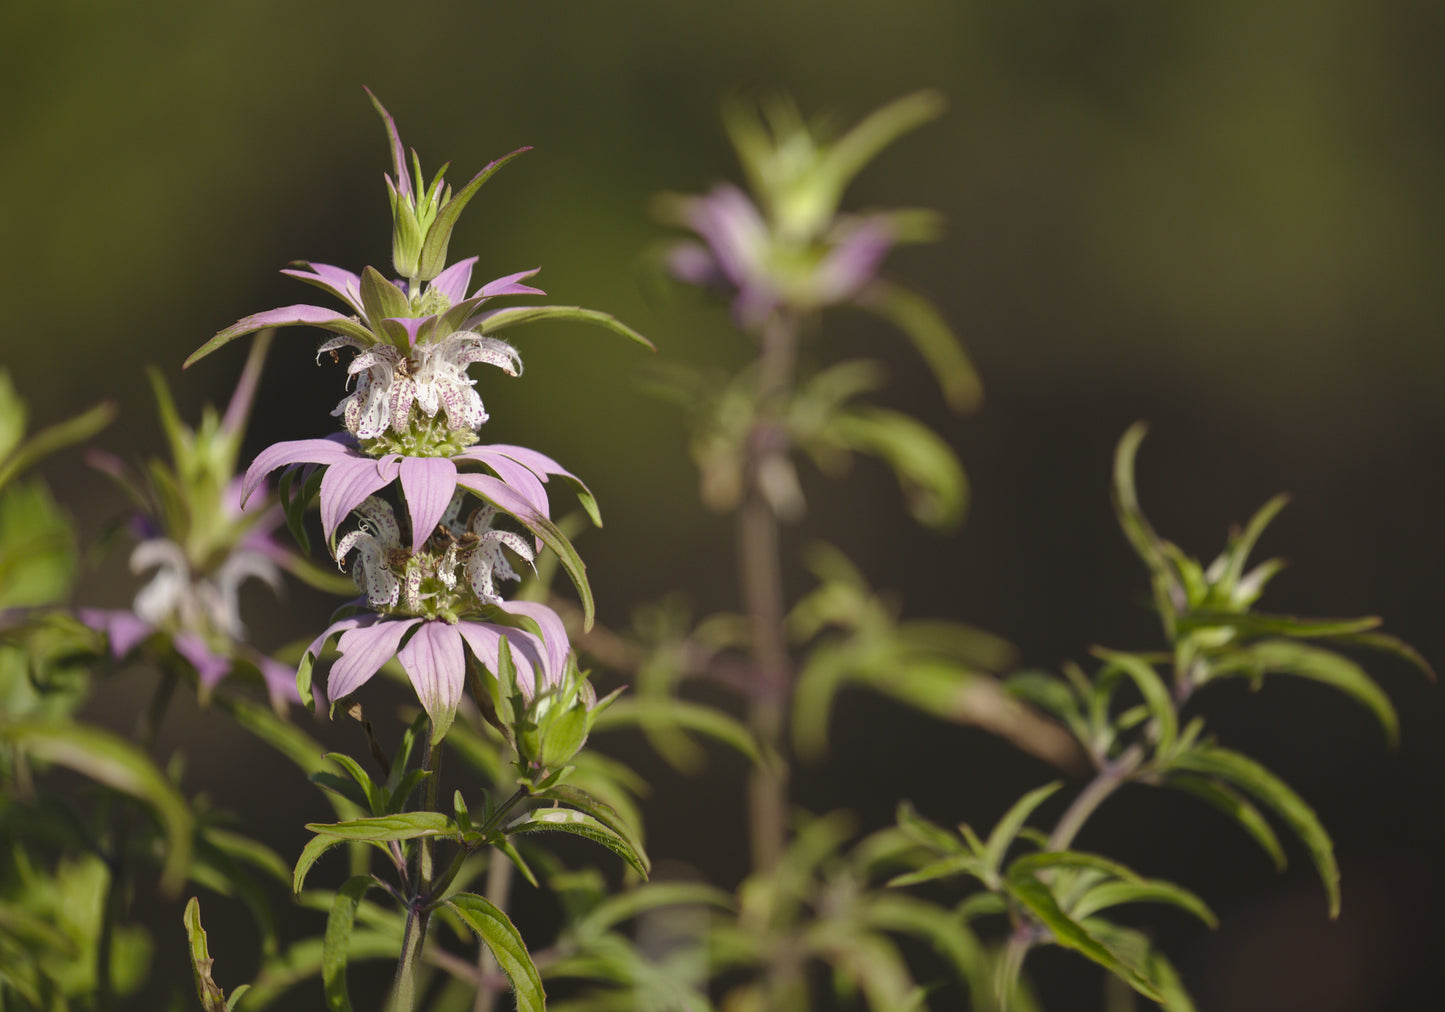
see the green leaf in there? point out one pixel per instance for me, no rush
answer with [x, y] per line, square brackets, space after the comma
[948, 867]
[1237, 807]
[434, 248]
[1069, 933]
[265, 321]
[502, 937]
[514, 315]
[1109, 894]
[375, 796]
[1326, 666]
[212, 998]
[935, 341]
[55, 437]
[926, 833]
[38, 551]
[405, 826]
[644, 898]
[334, 950]
[1008, 827]
[933, 482]
[1391, 645]
[1275, 625]
[382, 300]
[1276, 795]
[1240, 546]
[602, 812]
[310, 854]
[1156, 694]
[116, 763]
[566, 820]
[1136, 527]
[680, 713]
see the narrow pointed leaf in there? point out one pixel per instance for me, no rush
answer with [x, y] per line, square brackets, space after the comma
[934, 485]
[1039, 900]
[921, 322]
[286, 316]
[1236, 806]
[434, 247]
[406, 826]
[212, 998]
[335, 948]
[1156, 694]
[1110, 894]
[1007, 829]
[683, 714]
[566, 820]
[1276, 795]
[56, 437]
[1326, 666]
[512, 316]
[374, 795]
[501, 936]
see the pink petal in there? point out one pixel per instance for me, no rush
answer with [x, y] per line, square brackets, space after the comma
[296, 451]
[509, 285]
[427, 484]
[349, 481]
[522, 478]
[485, 640]
[554, 637]
[339, 282]
[124, 629]
[210, 666]
[452, 282]
[363, 651]
[434, 662]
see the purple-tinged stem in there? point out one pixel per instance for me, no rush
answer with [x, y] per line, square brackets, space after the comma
[762, 587]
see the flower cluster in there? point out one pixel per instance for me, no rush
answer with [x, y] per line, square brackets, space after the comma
[428, 570]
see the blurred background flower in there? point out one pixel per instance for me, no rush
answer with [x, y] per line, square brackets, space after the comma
[1223, 219]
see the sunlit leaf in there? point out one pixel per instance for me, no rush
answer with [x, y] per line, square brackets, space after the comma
[510, 951]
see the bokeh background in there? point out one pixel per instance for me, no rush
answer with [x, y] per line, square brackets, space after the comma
[1222, 218]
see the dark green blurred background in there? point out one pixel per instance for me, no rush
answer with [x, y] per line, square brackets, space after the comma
[1223, 218]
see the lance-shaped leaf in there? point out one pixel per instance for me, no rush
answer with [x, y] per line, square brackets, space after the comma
[212, 998]
[17, 456]
[1236, 806]
[933, 483]
[1168, 594]
[921, 322]
[116, 763]
[1156, 694]
[286, 316]
[1276, 625]
[1036, 896]
[501, 936]
[439, 235]
[335, 949]
[1276, 795]
[566, 820]
[1007, 829]
[501, 319]
[1290, 658]
[1114, 893]
[679, 713]
[405, 826]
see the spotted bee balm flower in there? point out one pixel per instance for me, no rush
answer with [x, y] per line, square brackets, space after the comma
[411, 419]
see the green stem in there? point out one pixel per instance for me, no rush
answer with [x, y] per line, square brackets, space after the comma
[1109, 779]
[403, 991]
